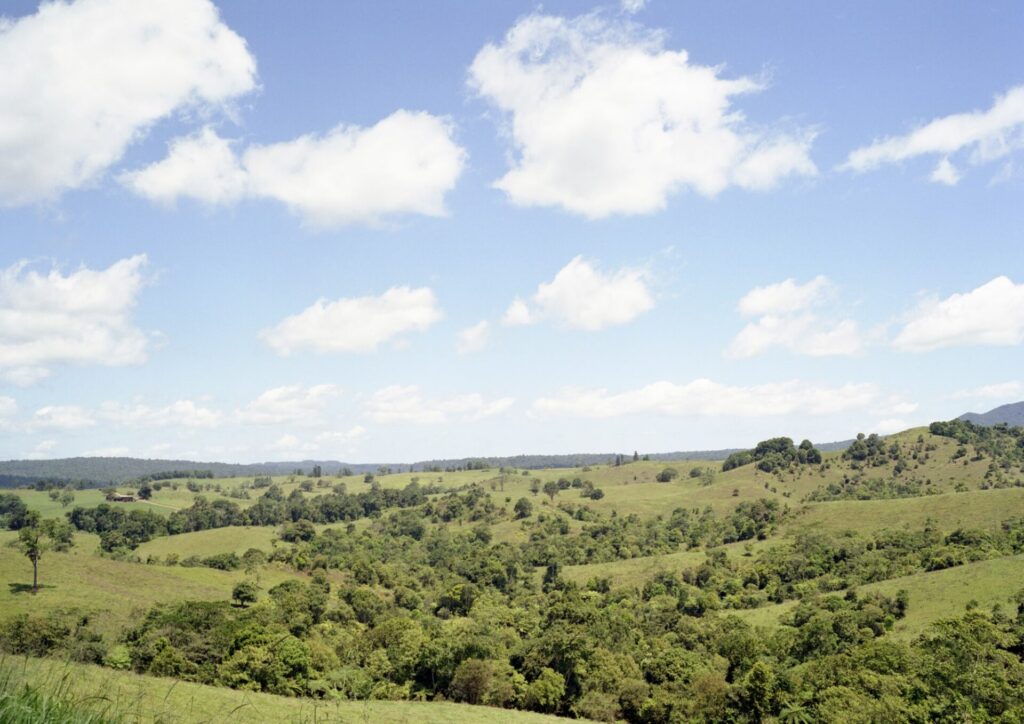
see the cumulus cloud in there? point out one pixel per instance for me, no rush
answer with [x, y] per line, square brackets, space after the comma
[341, 442]
[41, 451]
[474, 339]
[404, 164]
[945, 173]
[985, 136]
[785, 297]
[583, 297]
[398, 403]
[83, 317]
[517, 314]
[61, 417]
[355, 324]
[706, 398]
[83, 80]
[184, 413]
[290, 404]
[785, 322]
[992, 314]
[605, 120]
[800, 334]
[890, 425]
[998, 391]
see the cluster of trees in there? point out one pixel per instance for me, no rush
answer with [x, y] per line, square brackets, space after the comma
[775, 455]
[121, 529]
[860, 487]
[1002, 443]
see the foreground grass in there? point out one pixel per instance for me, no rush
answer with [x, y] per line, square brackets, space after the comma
[82, 694]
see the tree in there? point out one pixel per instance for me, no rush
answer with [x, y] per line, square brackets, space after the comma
[145, 491]
[546, 691]
[39, 536]
[245, 593]
[66, 498]
[551, 489]
[535, 486]
[523, 508]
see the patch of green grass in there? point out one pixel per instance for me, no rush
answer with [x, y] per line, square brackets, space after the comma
[932, 596]
[234, 539]
[110, 589]
[973, 509]
[119, 695]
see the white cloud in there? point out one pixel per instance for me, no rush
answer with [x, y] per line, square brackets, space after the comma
[355, 324]
[896, 405]
[42, 451]
[992, 314]
[784, 297]
[61, 417]
[474, 339]
[290, 404]
[1011, 390]
[83, 80]
[800, 334]
[704, 397]
[945, 173]
[632, 6]
[890, 425]
[8, 406]
[583, 297]
[405, 404]
[335, 443]
[783, 322]
[184, 413]
[605, 120]
[517, 314]
[202, 167]
[988, 135]
[24, 376]
[404, 164]
[82, 317]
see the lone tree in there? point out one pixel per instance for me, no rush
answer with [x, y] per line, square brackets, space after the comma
[551, 489]
[245, 593]
[39, 536]
[523, 508]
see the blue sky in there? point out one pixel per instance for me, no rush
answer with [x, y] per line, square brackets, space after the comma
[242, 232]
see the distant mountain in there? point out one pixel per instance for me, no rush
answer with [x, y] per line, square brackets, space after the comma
[1012, 414]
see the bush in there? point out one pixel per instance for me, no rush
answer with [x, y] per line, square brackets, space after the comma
[667, 475]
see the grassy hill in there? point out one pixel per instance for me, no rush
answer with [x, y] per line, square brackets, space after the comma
[603, 558]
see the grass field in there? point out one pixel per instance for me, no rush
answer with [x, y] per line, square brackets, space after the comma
[144, 699]
[210, 542]
[976, 509]
[933, 595]
[110, 589]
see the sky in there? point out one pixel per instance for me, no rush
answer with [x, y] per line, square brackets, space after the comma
[395, 231]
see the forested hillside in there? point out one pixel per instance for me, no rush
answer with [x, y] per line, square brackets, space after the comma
[783, 583]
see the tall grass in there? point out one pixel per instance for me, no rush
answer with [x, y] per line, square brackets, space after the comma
[50, 701]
